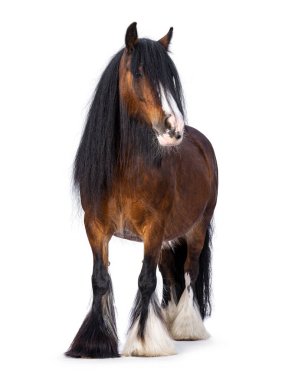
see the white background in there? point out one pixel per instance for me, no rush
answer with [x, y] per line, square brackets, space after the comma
[230, 55]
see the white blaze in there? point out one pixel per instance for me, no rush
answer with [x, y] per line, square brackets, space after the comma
[174, 118]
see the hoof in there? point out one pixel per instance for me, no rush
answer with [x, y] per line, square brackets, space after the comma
[72, 353]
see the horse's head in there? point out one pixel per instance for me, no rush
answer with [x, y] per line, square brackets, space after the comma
[150, 88]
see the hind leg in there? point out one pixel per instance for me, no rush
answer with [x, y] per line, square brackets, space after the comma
[188, 323]
[171, 267]
[97, 337]
[180, 271]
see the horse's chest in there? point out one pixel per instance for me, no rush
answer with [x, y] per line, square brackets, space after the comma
[127, 225]
[133, 207]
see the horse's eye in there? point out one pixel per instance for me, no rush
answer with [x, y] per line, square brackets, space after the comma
[138, 74]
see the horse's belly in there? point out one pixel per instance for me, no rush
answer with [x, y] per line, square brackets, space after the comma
[127, 234]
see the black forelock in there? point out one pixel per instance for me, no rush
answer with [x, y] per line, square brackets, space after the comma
[158, 67]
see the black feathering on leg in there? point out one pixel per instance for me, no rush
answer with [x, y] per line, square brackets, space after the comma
[145, 298]
[202, 287]
[172, 271]
[141, 310]
[97, 337]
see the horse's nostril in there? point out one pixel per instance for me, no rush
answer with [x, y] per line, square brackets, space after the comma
[178, 136]
[167, 123]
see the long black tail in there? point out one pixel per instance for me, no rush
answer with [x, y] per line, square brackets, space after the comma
[203, 282]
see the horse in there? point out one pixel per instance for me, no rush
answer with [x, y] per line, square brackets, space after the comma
[143, 175]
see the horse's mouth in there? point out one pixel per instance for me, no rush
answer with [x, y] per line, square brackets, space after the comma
[166, 140]
[169, 137]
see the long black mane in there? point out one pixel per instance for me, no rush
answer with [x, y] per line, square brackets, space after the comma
[111, 138]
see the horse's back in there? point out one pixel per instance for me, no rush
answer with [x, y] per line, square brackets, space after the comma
[194, 137]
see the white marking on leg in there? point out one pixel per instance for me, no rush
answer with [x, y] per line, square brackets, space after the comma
[156, 342]
[188, 324]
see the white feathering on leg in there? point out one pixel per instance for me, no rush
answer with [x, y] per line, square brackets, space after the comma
[156, 342]
[170, 311]
[188, 324]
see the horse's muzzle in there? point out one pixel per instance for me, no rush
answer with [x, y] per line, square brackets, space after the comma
[171, 133]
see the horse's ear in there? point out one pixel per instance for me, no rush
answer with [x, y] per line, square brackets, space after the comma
[165, 41]
[131, 37]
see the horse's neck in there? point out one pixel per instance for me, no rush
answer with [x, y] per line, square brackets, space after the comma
[138, 146]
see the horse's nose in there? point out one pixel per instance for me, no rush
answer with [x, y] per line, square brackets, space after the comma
[178, 135]
[171, 129]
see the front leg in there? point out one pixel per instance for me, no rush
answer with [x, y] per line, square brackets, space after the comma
[97, 337]
[148, 335]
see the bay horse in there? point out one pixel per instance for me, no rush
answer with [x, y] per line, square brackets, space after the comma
[144, 175]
